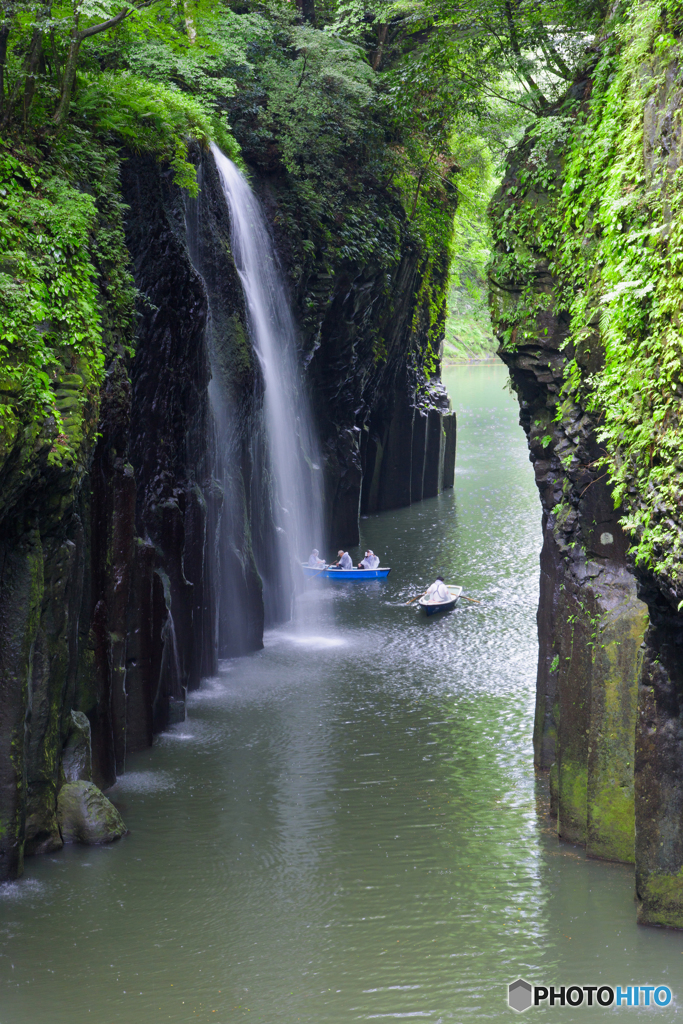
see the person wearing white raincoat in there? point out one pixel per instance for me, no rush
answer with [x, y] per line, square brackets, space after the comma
[314, 561]
[438, 592]
[371, 561]
[344, 560]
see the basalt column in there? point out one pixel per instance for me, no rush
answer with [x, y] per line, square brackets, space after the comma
[170, 376]
[370, 341]
[591, 622]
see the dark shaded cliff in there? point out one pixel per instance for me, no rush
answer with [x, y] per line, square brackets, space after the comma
[109, 567]
[583, 291]
[372, 333]
[126, 572]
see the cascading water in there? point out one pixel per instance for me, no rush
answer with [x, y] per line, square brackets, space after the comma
[293, 455]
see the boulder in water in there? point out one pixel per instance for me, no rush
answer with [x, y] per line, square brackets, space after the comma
[85, 815]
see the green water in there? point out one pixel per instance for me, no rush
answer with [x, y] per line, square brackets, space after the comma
[347, 826]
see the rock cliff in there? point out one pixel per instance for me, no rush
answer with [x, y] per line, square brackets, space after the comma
[371, 339]
[125, 573]
[582, 287]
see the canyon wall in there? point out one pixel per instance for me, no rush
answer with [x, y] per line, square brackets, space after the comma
[584, 295]
[371, 310]
[126, 573]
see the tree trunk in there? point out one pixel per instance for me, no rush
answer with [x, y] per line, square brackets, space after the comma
[32, 65]
[537, 96]
[4, 36]
[55, 70]
[27, 73]
[381, 40]
[189, 25]
[68, 79]
[306, 9]
[72, 60]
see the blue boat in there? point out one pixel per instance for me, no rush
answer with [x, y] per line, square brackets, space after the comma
[345, 575]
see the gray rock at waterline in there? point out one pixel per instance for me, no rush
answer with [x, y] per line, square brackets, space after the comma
[76, 756]
[85, 815]
[176, 711]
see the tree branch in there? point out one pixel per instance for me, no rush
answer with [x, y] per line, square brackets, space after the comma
[93, 30]
[77, 37]
[553, 57]
[516, 49]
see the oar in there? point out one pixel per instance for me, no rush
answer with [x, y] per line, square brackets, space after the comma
[321, 569]
[422, 595]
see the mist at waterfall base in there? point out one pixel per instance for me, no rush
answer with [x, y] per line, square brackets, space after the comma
[292, 457]
[347, 827]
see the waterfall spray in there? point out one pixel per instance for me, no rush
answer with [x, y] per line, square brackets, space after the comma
[293, 451]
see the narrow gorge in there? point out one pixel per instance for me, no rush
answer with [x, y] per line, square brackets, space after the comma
[264, 264]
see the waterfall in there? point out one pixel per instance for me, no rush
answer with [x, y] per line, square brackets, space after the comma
[292, 449]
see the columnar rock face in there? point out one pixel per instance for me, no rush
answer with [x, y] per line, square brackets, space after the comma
[608, 713]
[591, 623]
[369, 341]
[126, 575]
[388, 432]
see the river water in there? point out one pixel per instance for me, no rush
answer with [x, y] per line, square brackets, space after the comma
[347, 827]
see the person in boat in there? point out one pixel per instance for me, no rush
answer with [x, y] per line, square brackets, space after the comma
[438, 592]
[371, 561]
[344, 560]
[314, 562]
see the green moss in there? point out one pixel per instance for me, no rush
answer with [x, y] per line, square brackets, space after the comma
[598, 203]
[242, 352]
[611, 816]
[661, 896]
[573, 802]
[617, 661]
[554, 782]
[65, 276]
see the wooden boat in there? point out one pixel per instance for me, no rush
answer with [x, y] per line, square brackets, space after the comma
[432, 607]
[345, 575]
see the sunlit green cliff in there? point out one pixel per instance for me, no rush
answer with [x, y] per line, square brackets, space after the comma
[586, 294]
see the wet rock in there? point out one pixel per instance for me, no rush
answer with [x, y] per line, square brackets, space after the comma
[176, 711]
[125, 576]
[85, 815]
[591, 622]
[77, 754]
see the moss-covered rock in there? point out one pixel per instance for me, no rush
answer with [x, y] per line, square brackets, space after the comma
[585, 291]
[85, 815]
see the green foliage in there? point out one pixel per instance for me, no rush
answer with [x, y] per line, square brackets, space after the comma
[66, 296]
[538, 42]
[603, 206]
[152, 118]
[63, 257]
[319, 90]
[468, 329]
[631, 222]
[47, 284]
[310, 110]
[367, 122]
[156, 79]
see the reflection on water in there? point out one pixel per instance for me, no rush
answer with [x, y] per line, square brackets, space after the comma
[345, 828]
